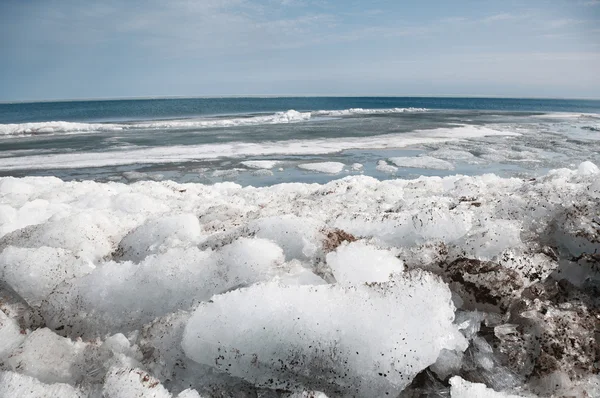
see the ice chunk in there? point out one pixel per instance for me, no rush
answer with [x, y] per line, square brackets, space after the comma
[128, 382]
[356, 166]
[422, 162]
[461, 388]
[358, 262]
[323, 167]
[48, 357]
[587, 168]
[328, 338]
[448, 363]
[86, 234]
[18, 385]
[10, 335]
[119, 297]
[384, 167]
[260, 164]
[300, 238]
[34, 273]
[159, 235]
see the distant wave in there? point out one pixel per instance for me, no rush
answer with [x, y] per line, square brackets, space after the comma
[183, 153]
[55, 127]
[290, 116]
[361, 111]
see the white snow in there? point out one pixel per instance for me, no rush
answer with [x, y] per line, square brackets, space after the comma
[422, 162]
[323, 167]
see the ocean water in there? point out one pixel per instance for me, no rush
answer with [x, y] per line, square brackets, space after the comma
[264, 141]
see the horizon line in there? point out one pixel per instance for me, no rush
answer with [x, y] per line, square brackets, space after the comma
[226, 96]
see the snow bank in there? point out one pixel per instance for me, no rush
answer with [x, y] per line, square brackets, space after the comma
[109, 287]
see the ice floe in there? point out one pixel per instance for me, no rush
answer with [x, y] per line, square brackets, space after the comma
[323, 167]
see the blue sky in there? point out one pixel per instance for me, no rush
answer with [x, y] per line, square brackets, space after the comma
[106, 48]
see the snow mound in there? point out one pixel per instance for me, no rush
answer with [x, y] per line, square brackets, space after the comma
[327, 338]
[323, 167]
[235, 291]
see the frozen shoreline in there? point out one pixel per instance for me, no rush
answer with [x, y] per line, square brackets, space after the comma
[156, 287]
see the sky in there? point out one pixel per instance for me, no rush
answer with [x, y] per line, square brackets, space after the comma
[67, 49]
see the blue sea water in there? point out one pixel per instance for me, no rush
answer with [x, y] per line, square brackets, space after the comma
[212, 139]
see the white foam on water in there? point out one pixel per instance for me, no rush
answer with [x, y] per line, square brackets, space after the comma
[55, 127]
[290, 116]
[361, 111]
[182, 153]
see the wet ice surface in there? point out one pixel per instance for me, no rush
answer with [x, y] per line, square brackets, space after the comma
[316, 150]
[461, 286]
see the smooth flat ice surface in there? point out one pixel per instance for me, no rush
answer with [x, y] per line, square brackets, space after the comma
[356, 287]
